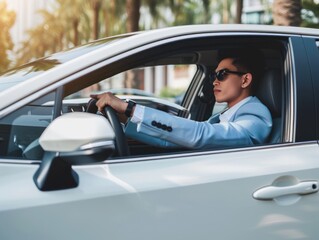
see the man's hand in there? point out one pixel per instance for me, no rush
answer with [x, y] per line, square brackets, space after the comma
[108, 99]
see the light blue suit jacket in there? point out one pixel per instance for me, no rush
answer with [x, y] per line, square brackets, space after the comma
[250, 125]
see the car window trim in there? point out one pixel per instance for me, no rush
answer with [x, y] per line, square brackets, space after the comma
[172, 155]
[199, 153]
[94, 66]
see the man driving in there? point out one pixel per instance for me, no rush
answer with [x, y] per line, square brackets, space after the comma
[246, 121]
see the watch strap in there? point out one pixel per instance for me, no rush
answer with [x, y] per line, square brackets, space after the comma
[129, 108]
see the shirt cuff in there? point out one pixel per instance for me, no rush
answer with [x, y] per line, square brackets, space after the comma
[138, 114]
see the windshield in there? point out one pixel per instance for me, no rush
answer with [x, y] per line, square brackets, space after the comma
[24, 72]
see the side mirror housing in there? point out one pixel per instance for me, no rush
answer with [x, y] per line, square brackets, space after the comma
[72, 139]
[77, 131]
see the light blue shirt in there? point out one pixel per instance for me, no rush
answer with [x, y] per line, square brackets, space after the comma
[227, 115]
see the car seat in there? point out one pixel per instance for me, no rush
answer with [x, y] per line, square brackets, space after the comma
[269, 93]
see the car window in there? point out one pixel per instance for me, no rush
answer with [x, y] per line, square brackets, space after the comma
[21, 129]
[149, 86]
[173, 82]
[187, 84]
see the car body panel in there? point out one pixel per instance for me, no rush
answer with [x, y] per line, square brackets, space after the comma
[177, 198]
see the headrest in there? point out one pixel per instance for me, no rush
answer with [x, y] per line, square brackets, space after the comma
[269, 91]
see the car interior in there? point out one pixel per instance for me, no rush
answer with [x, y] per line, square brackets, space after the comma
[197, 104]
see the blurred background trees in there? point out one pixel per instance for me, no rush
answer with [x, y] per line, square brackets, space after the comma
[287, 12]
[7, 19]
[73, 22]
[310, 13]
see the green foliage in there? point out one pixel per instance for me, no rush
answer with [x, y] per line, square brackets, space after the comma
[73, 22]
[7, 19]
[310, 14]
[171, 92]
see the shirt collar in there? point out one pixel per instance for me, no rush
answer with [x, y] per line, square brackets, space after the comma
[228, 114]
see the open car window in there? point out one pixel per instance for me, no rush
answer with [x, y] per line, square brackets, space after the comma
[190, 82]
[161, 87]
[176, 81]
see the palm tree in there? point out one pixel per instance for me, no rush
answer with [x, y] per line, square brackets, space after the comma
[113, 17]
[133, 15]
[53, 30]
[222, 9]
[73, 13]
[287, 12]
[65, 26]
[206, 6]
[77, 21]
[38, 47]
[226, 10]
[156, 9]
[96, 6]
[239, 10]
[7, 19]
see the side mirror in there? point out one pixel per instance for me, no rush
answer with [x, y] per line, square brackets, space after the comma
[72, 139]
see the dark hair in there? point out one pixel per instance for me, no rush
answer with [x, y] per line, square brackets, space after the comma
[246, 60]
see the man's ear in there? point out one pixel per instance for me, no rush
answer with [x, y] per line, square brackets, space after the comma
[246, 80]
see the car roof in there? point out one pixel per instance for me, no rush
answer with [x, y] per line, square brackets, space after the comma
[134, 41]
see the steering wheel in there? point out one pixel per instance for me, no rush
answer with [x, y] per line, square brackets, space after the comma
[110, 114]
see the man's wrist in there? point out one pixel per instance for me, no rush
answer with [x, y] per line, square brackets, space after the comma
[130, 107]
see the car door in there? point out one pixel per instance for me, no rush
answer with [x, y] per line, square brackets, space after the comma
[263, 192]
[182, 197]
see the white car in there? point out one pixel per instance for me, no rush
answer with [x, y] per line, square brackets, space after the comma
[66, 173]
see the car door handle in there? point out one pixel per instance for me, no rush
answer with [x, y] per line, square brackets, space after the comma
[271, 192]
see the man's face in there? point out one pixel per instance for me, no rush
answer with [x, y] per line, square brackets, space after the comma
[231, 89]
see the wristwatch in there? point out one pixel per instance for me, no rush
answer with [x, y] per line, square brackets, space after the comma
[129, 109]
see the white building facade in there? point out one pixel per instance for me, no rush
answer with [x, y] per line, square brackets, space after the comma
[27, 16]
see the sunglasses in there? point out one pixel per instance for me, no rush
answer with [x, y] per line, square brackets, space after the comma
[221, 74]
